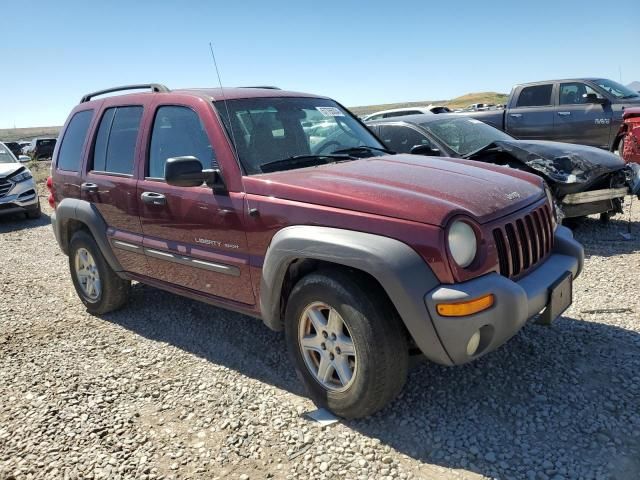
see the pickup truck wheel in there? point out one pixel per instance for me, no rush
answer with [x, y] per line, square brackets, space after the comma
[346, 343]
[97, 285]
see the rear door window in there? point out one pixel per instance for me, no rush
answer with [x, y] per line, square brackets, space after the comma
[535, 96]
[70, 154]
[115, 144]
[178, 132]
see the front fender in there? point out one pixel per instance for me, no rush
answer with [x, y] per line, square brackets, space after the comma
[401, 272]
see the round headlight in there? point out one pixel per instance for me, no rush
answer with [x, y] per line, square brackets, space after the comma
[463, 243]
[553, 206]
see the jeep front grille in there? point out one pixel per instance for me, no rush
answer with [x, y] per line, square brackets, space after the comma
[5, 186]
[523, 243]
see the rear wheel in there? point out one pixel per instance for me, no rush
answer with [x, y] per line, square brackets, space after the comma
[346, 342]
[97, 285]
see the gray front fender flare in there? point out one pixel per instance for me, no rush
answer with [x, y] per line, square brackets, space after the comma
[401, 272]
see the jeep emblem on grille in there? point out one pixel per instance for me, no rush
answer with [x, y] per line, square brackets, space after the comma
[513, 195]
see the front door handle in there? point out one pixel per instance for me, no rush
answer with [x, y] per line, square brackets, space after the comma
[89, 187]
[564, 114]
[515, 115]
[153, 198]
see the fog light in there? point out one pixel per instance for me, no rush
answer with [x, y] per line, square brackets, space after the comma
[474, 343]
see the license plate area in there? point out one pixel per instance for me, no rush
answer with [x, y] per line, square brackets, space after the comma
[560, 298]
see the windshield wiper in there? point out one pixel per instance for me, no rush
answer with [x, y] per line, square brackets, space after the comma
[301, 161]
[363, 148]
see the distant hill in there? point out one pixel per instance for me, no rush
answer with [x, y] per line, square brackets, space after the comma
[458, 102]
[12, 134]
[635, 86]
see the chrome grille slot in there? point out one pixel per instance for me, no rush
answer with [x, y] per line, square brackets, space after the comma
[524, 242]
[5, 186]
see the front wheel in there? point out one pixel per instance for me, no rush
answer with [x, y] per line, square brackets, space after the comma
[346, 342]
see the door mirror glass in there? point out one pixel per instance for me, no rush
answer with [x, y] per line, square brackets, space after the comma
[24, 158]
[425, 150]
[188, 172]
[183, 172]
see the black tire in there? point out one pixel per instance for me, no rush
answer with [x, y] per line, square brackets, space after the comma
[35, 213]
[114, 291]
[621, 148]
[376, 332]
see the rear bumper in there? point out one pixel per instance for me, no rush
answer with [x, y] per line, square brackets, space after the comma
[515, 301]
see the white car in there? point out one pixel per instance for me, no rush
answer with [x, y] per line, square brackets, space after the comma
[17, 187]
[400, 112]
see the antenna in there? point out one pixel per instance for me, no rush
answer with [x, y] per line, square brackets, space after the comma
[224, 99]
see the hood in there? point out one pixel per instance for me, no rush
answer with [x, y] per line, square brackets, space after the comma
[411, 187]
[7, 169]
[561, 162]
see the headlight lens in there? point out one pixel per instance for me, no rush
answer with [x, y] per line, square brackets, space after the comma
[21, 177]
[552, 205]
[463, 243]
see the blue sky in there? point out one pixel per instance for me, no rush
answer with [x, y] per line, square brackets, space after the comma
[356, 52]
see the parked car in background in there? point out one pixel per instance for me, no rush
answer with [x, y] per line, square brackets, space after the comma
[629, 147]
[586, 111]
[479, 107]
[17, 186]
[358, 255]
[40, 148]
[400, 112]
[15, 148]
[584, 180]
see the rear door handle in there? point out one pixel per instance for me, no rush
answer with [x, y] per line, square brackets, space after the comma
[564, 114]
[153, 198]
[89, 187]
[515, 115]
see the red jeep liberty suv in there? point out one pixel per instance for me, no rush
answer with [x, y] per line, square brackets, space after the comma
[283, 206]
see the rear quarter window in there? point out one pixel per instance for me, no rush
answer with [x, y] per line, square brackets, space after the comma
[70, 154]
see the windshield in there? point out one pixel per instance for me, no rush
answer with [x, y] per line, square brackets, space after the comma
[615, 89]
[464, 135]
[5, 155]
[267, 130]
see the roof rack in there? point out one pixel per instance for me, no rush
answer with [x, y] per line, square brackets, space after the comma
[267, 87]
[154, 87]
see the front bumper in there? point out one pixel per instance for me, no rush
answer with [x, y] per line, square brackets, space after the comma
[515, 301]
[602, 200]
[22, 197]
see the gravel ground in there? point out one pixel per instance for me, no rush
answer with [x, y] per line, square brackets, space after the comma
[170, 388]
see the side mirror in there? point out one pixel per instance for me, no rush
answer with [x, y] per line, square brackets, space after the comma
[593, 98]
[425, 150]
[24, 158]
[188, 172]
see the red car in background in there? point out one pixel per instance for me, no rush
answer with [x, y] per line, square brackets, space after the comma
[630, 144]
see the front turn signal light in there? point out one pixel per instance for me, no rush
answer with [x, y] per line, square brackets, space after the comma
[468, 307]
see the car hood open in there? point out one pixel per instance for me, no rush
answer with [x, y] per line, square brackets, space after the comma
[417, 188]
[559, 162]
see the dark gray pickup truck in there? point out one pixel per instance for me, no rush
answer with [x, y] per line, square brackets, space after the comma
[587, 111]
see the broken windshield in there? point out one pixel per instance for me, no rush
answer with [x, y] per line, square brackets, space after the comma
[464, 135]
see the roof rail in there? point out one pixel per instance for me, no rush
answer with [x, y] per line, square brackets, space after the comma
[154, 87]
[267, 87]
